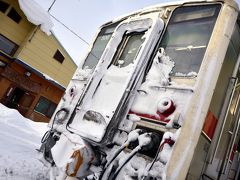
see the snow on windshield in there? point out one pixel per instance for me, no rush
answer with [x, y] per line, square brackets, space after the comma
[110, 80]
[36, 15]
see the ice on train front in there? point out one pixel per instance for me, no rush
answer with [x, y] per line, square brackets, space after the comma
[123, 110]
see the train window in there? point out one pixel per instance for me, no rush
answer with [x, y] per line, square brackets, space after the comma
[187, 35]
[128, 49]
[99, 45]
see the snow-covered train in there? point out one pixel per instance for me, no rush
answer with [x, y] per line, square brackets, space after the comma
[157, 97]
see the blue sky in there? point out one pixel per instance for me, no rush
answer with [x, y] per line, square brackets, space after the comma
[84, 17]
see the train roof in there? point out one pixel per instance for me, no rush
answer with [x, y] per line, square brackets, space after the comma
[160, 6]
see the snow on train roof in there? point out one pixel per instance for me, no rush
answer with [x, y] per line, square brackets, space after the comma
[36, 15]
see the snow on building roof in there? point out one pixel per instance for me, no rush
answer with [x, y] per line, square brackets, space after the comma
[36, 15]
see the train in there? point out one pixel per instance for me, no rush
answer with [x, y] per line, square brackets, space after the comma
[156, 97]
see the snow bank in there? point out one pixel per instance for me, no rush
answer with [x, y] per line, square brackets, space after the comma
[20, 137]
[36, 15]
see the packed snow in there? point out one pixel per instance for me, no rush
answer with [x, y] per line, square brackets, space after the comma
[36, 15]
[20, 137]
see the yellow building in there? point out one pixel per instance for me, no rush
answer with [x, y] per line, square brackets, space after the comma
[34, 67]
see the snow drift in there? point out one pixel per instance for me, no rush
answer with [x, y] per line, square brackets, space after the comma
[20, 137]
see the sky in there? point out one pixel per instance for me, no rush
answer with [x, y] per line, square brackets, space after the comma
[84, 17]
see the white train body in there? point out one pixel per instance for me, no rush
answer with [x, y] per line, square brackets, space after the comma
[156, 98]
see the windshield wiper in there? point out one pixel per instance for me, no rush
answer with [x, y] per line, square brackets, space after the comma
[190, 47]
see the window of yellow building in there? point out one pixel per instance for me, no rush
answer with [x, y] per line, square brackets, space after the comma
[45, 107]
[3, 6]
[13, 14]
[59, 56]
[7, 45]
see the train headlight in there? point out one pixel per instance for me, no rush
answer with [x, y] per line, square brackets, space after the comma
[61, 116]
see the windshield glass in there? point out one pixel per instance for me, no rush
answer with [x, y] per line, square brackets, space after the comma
[128, 49]
[99, 46]
[187, 35]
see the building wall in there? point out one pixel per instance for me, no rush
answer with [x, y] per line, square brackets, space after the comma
[16, 32]
[35, 47]
[48, 91]
[35, 56]
[39, 52]
[33, 85]
[4, 83]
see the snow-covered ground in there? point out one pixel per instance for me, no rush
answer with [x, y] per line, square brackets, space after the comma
[19, 139]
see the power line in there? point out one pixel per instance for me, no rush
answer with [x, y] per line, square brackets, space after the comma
[70, 30]
[51, 5]
[64, 24]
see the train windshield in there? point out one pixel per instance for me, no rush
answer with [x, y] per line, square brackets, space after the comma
[99, 45]
[187, 35]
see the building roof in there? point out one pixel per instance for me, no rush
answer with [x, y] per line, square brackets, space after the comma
[34, 70]
[36, 15]
[39, 73]
[39, 17]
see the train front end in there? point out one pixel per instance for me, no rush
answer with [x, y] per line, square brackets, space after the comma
[136, 107]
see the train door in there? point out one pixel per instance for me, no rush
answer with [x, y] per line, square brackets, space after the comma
[217, 153]
[226, 105]
[226, 161]
[226, 157]
[229, 139]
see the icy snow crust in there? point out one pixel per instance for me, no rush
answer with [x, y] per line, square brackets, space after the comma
[36, 15]
[20, 137]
